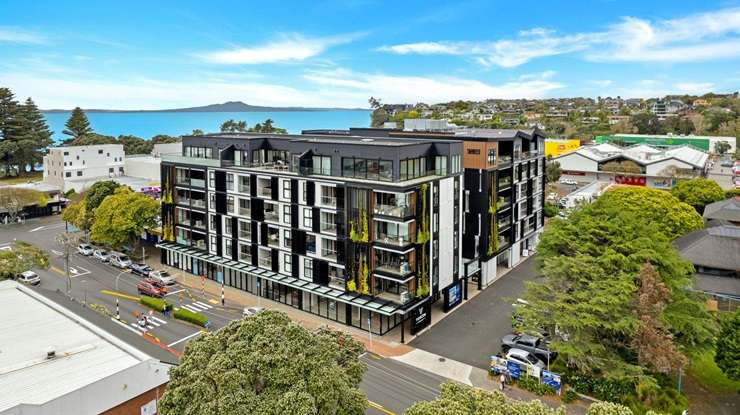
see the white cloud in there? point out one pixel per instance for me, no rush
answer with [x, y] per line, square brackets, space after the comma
[428, 89]
[698, 37]
[289, 48]
[695, 87]
[16, 35]
[601, 82]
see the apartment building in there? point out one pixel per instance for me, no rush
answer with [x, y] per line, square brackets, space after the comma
[74, 167]
[365, 231]
[503, 197]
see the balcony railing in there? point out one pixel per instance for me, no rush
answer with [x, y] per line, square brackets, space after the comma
[273, 240]
[198, 183]
[401, 269]
[183, 201]
[504, 183]
[180, 159]
[200, 244]
[503, 203]
[503, 224]
[245, 211]
[330, 201]
[272, 216]
[245, 234]
[199, 224]
[395, 211]
[504, 160]
[329, 227]
[265, 192]
[198, 203]
[329, 254]
[402, 298]
[397, 240]
[337, 283]
[503, 240]
[265, 263]
[530, 154]
[244, 189]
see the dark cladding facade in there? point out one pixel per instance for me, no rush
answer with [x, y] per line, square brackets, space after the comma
[363, 231]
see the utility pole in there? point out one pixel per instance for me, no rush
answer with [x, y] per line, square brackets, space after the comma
[66, 240]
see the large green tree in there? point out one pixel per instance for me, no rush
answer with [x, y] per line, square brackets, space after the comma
[10, 129]
[267, 365]
[552, 171]
[78, 125]
[21, 257]
[98, 192]
[727, 355]
[123, 216]
[698, 192]
[231, 126]
[589, 296]
[36, 134]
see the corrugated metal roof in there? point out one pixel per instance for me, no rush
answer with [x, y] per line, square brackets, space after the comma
[30, 325]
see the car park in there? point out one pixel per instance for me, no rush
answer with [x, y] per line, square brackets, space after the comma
[29, 277]
[141, 269]
[85, 249]
[102, 255]
[251, 311]
[162, 277]
[150, 288]
[533, 344]
[120, 260]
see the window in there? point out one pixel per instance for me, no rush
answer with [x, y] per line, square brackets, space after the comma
[244, 184]
[328, 222]
[491, 156]
[474, 151]
[385, 173]
[229, 204]
[227, 247]
[245, 253]
[213, 223]
[440, 165]
[245, 208]
[310, 244]
[68, 174]
[307, 217]
[66, 153]
[106, 154]
[227, 226]
[287, 258]
[322, 165]
[198, 152]
[286, 214]
[229, 182]
[245, 230]
[213, 241]
[308, 267]
[110, 170]
[456, 164]
[212, 179]
[79, 173]
[78, 157]
[100, 151]
[286, 189]
[372, 169]
[287, 241]
[120, 170]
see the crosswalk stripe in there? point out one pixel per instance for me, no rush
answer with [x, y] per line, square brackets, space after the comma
[203, 304]
[159, 320]
[190, 308]
[137, 327]
[154, 323]
[125, 326]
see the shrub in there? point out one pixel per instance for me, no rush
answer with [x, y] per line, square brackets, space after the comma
[612, 390]
[191, 317]
[569, 396]
[154, 303]
[534, 385]
[550, 210]
[608, 408]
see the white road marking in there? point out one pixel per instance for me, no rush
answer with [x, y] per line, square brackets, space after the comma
[190, 308]
[158, 320]
[175, 292]
[36, 229]
[55, 252]
[153, 323]
[185, 338]
[197, 307]
[203, 304]
[125, 326]
[78, 271]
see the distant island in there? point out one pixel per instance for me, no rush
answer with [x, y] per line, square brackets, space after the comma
[231, 106]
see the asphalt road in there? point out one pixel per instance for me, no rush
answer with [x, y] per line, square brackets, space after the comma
[391, 386]
[472, 333]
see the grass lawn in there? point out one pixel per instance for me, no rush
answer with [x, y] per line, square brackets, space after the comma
[33, 177]
[706, 373]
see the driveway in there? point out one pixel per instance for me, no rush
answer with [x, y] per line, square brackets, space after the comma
[472, 333]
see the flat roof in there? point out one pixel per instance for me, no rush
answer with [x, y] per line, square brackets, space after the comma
[85, 354]
[328, 138]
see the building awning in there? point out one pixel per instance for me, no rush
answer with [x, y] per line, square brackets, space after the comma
[385, 308]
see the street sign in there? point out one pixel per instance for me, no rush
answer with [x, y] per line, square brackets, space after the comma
[514, 370]
[551, 379]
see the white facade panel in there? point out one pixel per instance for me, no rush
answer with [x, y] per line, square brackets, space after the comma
[576, 162]
[446, 231]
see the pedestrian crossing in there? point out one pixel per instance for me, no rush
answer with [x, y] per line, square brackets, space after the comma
[197, 306]
[153, 322]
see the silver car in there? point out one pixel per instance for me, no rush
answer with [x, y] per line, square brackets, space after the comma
[120, 260]
[29, 277]
[162, 277]
[101, 254]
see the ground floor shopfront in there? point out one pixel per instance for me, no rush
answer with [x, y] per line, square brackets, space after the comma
[366, 313]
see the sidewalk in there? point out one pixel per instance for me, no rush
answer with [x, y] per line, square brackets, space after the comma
[387, 346]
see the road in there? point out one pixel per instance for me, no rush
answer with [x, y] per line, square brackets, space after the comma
[391, 386]
[472, 333]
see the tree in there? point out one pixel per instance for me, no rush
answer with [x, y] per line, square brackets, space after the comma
[727, 355]
[21, 257]
[122, 217]
[714, 117]
[722, 147]
[379, 115]
[698, 192]
[646, 123]
[267, 364]
[90, 139]
[589, 294]
[552, 171]
[164, 139]
[197, 131]
[78, 124]
[98, 192]
[37, 136]
[267, 127]
[231, 126]
[10, 129]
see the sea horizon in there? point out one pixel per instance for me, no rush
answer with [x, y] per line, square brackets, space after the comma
[149, 124]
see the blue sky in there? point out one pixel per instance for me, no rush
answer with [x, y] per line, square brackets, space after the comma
[164, 54]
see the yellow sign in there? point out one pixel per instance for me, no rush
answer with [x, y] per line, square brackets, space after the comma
[554, 148]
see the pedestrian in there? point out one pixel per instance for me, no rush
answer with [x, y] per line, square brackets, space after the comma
[164, 309]
[502, 380]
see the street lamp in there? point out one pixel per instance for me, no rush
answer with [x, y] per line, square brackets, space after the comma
[118, 313]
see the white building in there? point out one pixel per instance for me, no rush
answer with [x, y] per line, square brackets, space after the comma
[640, 165]
[54, 362]
[79, 167]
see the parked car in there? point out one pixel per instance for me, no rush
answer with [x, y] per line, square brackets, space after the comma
[251, 311]
[532, 344]
[141, 269]
[102, 255]
[29, 277]
[565, 180]
[525, 358]
[150, 288]
[552, 196]
[120, 260]
[85, 249]
[163, 277]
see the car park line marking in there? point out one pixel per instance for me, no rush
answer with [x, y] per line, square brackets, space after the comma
[185, 338]
[125, 326]
[121, 295]
[57, 253]
[78, 271]
[203, 304]
[36, 229]
[380, 408]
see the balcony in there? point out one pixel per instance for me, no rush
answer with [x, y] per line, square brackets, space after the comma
[504, 203]
[530, 154]
[273, 240]
[245, 234]
[198, 183]
[200, 244]
[393, 267]
[180, 159]
[338, 283]
[504, 183]
[265, 263]
[329, 201]
[199, 224]
[503, 241]
[265, 192]
[330, 254]
[199, 203]
[394, 211]
[394, 239]
[393, 291]
[271, 215]
[183, 201]
[503, 161]
[504, 224]
[245, 211]
[329, 227]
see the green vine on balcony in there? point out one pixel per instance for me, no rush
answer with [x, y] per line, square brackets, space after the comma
[493, 242]
[359, 233]
[422, 237]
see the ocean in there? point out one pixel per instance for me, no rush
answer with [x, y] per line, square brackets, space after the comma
[148, 124]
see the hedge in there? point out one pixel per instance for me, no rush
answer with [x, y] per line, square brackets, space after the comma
[534, 385]
[154, 303]
[191, 317]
